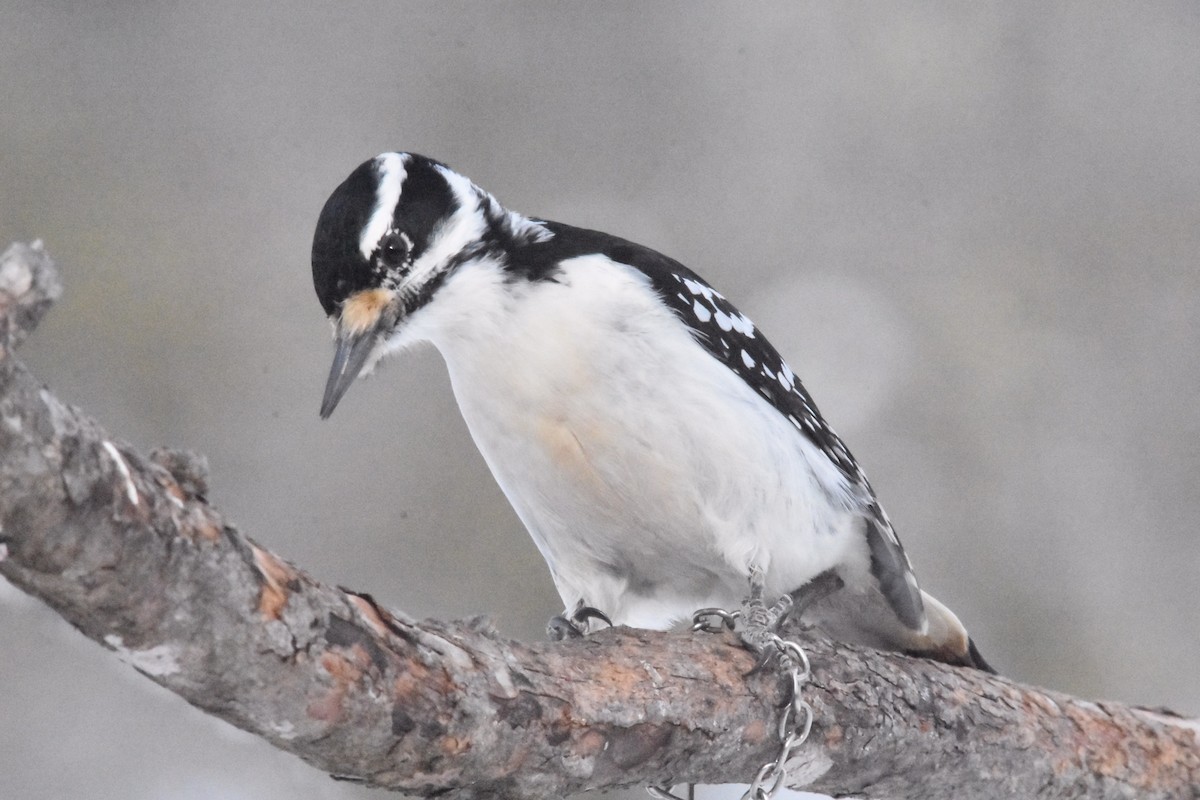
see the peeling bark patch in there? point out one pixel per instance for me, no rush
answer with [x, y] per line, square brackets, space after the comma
[194, 521]
[342, 674]
[453, 746]
[402, 721]
[376, 615]
[371, 613]
[591, 743]
[558, 731]
[431, 729]
[341, 669]
[755, 732]
[159, 661]
[200, 526]
[518, 712]
[417, 683]
[628, 747]
[343, 633]
[172, 491]
[188, 470]
[277, 579]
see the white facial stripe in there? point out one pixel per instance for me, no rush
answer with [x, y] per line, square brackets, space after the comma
[391, 179]
[465, 226]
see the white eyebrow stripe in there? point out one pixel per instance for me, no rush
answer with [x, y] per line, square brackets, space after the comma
[453, 234]
[391, 178]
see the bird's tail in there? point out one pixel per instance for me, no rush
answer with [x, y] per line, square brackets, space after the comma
[945, 639]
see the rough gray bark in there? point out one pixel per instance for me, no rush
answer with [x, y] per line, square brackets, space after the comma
[128, 550]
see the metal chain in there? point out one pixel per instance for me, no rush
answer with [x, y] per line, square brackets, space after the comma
[795, 723]
[665, 793]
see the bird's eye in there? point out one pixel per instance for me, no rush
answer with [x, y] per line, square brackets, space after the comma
[393, 251]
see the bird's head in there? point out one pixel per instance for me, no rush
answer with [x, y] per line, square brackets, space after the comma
[386, 240]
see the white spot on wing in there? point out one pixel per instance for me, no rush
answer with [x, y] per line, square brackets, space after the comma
[387, 196]
[742, 324]
[702, 313]
[747, 360]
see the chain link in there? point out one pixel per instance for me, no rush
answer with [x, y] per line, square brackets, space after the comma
[703, 620]
[795, 724]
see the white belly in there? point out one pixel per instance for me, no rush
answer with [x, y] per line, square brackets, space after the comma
[651, 477]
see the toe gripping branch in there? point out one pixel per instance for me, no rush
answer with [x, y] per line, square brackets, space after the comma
[562, 627]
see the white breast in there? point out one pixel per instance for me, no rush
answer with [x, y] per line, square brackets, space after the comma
[649, 475]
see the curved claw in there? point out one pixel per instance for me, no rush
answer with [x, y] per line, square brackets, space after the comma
[561, 627]
[765, 656]
[584, 613]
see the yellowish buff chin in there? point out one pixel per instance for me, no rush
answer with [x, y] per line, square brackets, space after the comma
[361, 311]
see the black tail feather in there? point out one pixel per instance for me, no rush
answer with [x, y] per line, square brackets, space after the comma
[977, 660]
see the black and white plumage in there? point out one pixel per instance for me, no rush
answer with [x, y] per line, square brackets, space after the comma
[651, 439]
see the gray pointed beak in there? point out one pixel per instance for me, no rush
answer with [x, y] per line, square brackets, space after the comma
[352, 352]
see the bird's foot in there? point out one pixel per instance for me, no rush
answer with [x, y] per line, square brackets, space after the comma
[574, 626]
[759, 628]
[759, 623]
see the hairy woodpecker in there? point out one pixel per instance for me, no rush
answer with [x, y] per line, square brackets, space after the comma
[657, 447]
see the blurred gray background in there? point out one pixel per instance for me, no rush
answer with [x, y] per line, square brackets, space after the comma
[972, 229]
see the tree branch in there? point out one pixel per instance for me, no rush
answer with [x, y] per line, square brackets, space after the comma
[128, 550]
